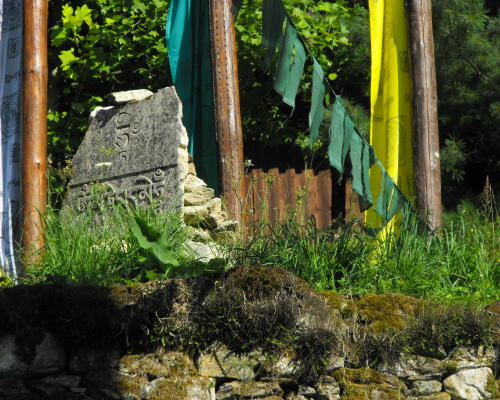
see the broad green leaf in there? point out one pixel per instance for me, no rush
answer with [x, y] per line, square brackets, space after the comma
[151, 240]
[67, 58]
[83, 13]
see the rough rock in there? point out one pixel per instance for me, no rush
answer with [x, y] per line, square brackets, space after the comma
[191, 168]
[12, 387]
[435, 396]
[203, 252]
[306, 391]
[88, 359]
[198, 235]
[425, 387]
[187, 388]
[220, 362]
[369, 384]
[295, 396]
[137, 151]
[248, 390]
[468, 357]
[196, 192]
[217, 216]
[198, 199]
[283, 365]
[130, 96]
[97, 110]
[195, 215]
[49, 390]
[227, 226]
[327, 388]
[271, 398]
[154, 365]
[334, 362]
[469, 384]
[10, 364]
[115, 385]
[67, 381]
[415, 366]
[50, 356]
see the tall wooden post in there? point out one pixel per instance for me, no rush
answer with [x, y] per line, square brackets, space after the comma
[34, 127]
[227, 105]
[426, 133]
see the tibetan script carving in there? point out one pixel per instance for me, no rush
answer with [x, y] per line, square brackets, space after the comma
[132, 152]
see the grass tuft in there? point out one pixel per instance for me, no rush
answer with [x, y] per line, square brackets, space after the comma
[461, 264]
[98, 246]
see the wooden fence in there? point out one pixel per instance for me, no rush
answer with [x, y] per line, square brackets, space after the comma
[280, 184]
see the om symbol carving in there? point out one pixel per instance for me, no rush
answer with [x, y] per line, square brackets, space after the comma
[126, 132]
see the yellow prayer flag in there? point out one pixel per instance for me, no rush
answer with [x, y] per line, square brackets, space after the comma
[391, 107]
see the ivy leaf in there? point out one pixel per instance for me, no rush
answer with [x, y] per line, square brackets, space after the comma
[83, 14]
[67, 12]
[139, 5]
[59, 36]
[67, 58]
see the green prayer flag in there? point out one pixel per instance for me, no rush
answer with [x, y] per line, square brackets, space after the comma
[390, 199]
[367, 161]
[356, 157]
[360, 165]
[341, 131]
[318, 95]
[273, 17]
[290, 66]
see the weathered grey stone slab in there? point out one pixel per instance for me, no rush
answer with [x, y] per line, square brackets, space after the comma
[138, 152]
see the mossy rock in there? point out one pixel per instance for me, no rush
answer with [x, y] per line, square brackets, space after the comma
[363, 376]
[156, 365]
[383, 312]
[370, 392]
[366, 383]
[187, 388]
[493, 386]
[339, 304]
[260, 282]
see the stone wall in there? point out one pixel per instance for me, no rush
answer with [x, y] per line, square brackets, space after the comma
[249, 333]
[52, 372]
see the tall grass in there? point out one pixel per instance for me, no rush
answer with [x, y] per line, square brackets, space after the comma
[460, 264]
[96, 246]
[323, 258]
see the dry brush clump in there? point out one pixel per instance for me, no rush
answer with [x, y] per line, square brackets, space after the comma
[250, 308]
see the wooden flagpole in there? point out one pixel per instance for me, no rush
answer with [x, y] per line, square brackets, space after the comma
[34, 128]
[227, 105]
[425, 116]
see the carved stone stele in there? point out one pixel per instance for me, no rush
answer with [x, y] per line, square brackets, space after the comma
[136, 152]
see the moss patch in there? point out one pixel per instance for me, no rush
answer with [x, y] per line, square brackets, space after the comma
[362, 376]
[362, 383]
[387, 311]
[339, 304]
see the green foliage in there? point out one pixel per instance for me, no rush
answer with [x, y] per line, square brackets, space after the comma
[462, 263]
[115, 244]
[101, 46]
[325, 259]
[467, 67]
[154, 242]
[323, 26]
[98, 47]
